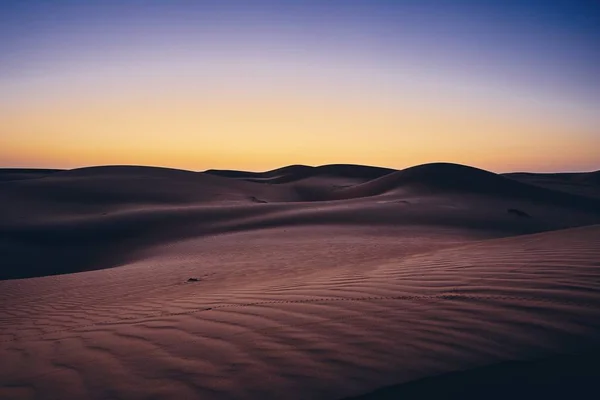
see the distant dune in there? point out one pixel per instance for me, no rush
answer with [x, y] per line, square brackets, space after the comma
[99, 217]
[301, 282]
[586, 183]
[295, 173]
[13, 174]
[459, 178]
[273, 174]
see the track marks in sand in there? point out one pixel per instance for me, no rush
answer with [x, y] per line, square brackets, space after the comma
[333, 340]
[448, 296]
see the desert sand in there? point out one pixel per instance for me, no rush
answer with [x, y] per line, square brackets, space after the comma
[331, 282]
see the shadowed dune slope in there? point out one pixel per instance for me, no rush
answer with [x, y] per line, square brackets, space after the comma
[303, 313]
[592, 178]
[14, 174]
[460, 178]
[295, 173]
[81, 219]
[123, 185]
[263, 176]
[345, 181]
[584, 183]
[558, 377]
[102, 217]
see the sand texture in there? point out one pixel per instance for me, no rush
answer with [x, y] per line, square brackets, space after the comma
[327, 282]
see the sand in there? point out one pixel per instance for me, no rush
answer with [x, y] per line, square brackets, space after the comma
[307, 283]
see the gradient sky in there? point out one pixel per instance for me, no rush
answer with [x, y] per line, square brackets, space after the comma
[503, 85]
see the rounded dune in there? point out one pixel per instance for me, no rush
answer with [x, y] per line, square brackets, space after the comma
[447, 177]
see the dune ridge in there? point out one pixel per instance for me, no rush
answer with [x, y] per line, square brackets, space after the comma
[100, 217]
[294, 173]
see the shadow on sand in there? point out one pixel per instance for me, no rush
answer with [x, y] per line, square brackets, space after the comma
[560, 377]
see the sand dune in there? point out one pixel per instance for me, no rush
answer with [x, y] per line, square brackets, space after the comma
[299, 332]
[459, 178]
[14, 174]
[332, 285]
[290, 170]
[585, 183]
[101, 217]
[293, 173]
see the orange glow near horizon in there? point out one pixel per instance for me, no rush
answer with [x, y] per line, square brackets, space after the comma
[272, 131]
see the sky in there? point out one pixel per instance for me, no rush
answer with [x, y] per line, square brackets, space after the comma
[255, 85]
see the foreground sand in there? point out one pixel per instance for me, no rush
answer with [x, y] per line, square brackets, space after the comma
[294, 299]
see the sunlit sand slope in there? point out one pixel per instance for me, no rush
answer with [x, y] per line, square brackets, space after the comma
[325, 328]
